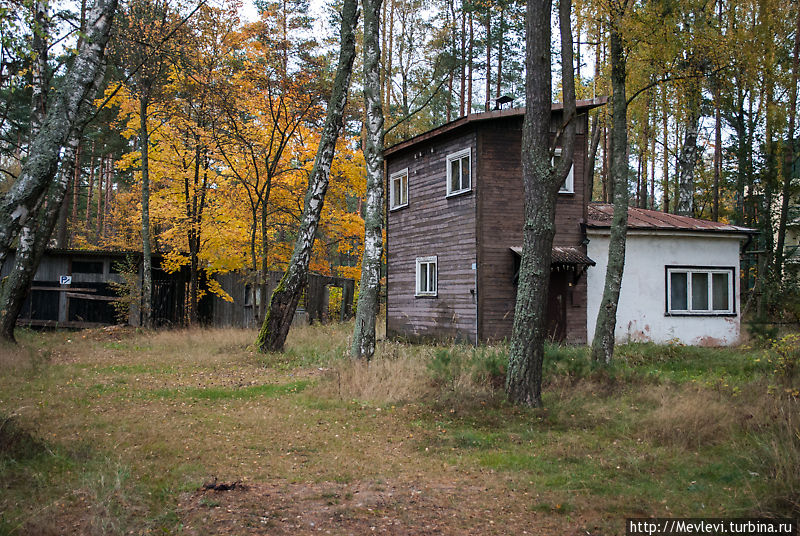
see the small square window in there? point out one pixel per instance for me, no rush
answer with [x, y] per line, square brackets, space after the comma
[459, 172]
[569, 183]
[702, 291]
[398, 189]
[427, 276]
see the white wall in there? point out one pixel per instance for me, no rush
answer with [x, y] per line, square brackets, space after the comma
[641, 313]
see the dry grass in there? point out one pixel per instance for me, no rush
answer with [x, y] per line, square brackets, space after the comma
[381, 381]
[688, 417]
[778, 455]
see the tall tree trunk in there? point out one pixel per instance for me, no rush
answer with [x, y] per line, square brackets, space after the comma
[596, 133]
[264, 272]
[688, 158]
[367, 309]
[462, 86]
[788, 162]
[76, 181]
[89, 188]
[604, 172]
[63, 115]
[40, 49]
[470, 60]
[387, 93]
[500, 37]
[541, 183]
[717, 153]
[287, 295]
[604, 336]
[653, 172]
[108, 199]
[488, 92]
[100, 185]
[147, 254]
[665, 166]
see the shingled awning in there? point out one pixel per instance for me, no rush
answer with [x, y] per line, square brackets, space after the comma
[564, 255]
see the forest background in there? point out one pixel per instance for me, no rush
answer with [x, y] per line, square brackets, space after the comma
[233, 112]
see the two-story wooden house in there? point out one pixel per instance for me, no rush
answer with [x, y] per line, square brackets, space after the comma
[454, 236]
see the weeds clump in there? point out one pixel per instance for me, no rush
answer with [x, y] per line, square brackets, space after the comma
[17, 442]
[464, 376]
[777, 455]
[689, 417]
[784, 357]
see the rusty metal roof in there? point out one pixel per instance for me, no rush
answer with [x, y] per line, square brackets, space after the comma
[600, 215]
[581, 105]
[564, 255]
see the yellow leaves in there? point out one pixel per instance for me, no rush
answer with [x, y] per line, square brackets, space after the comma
[215, 288]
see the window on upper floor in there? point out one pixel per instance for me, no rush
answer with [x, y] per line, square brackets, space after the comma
[700, 291]
[398, 189]
[427, 275]
[459, 172]
[569, 183]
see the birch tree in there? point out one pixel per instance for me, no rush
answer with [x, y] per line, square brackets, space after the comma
[367, 310]
[286, 296]
[603, 343]
[541, 180]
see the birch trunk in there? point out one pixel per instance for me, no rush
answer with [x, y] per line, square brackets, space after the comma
[65, 112]
[33, 239]
[688, 157]
[603, 343]
[35, 233]
[541, 182]
[286, 296]
[367, 310]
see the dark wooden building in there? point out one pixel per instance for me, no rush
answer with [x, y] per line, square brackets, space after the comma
[77, 289]
[455, 218]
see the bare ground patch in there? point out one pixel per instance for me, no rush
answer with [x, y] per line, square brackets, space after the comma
[421, 507]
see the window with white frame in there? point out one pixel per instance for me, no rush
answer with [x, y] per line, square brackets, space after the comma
[398, 189]
[427, 276]
[569, 183]
[700, 290]
[459, 172]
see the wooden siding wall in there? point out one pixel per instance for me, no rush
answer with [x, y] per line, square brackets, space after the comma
[433, 224]
[84, 303]
[315, 305]
[500, 222]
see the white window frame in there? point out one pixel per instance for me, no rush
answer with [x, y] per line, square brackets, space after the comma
[427, 261]
[710, 271]
[398, 176]
[464, 153]
[569, 183]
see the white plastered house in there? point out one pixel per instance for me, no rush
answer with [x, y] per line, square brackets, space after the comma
[681, 279]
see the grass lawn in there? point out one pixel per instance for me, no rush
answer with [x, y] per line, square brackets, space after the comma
[116, 432]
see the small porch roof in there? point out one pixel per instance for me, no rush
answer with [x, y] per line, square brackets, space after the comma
[564, 255]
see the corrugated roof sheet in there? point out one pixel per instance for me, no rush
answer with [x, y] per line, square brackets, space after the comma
[564, 255]
[600, 215]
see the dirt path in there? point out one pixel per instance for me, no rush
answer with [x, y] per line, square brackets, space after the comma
[396, 508]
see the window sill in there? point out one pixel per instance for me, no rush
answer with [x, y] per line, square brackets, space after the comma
[459, 193]
[398, 207]
[565, 192]
[426, 295]
[710, 313]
